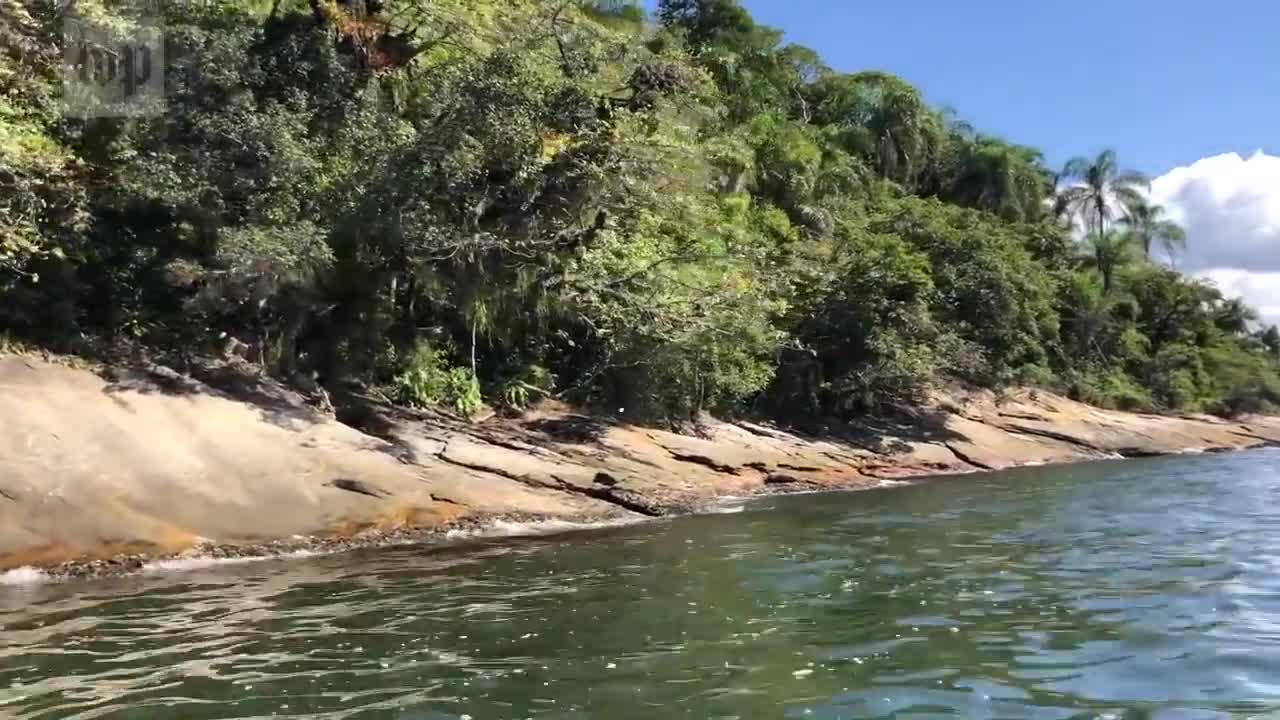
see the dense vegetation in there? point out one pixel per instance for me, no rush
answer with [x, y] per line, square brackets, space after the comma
[468, 201]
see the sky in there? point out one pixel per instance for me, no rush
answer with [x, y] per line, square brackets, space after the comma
[1186, 91]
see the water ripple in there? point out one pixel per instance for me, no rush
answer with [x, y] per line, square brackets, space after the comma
[1117, 590]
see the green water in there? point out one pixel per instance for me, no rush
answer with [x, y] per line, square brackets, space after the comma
[1139, 589]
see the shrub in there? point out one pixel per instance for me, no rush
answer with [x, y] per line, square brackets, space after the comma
[519, 391]
[1111, 389]
[429, 380]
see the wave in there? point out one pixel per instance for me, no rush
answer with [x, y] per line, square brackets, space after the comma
[508, 528]
[201, 562]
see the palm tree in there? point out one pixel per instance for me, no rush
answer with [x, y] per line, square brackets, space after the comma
[1270, 339]
[885, 120]
[1088, 313]
[1001, 178]
[1102, 191]
[1107, 252]
[1234, 316]
[1150, 226]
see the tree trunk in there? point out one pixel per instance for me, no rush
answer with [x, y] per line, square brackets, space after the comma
[318, 11]
[411, 302]
[474, 375]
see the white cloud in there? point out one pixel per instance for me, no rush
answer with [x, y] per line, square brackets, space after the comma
[1230, 207]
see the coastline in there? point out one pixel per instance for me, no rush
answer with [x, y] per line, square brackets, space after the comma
[133, 469]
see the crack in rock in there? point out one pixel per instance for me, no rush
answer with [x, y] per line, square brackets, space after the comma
[801, 468]
[1018, 429]
[965, 457]
[703, 460]
[1246, 432]
[608, 492]
[360, 488]
[603, 487]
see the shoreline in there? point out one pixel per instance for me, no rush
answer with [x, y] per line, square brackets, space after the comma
[458, 535]
[111, 473]
[215, 554]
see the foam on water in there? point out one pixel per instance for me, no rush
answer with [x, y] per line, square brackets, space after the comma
[24, 576]
[201, 562]
[507, 528]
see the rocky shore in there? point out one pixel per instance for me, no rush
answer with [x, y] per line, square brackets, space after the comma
[105, 470]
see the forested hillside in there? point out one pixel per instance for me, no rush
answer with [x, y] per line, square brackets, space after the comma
[459, 202]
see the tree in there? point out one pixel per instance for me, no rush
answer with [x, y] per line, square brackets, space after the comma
[461, 200]
[882, 118]
[1234, 316]
[1101, 190]
[42, 203]
[999, 177]
[1150, 226]
[748, 61]
[1107, 252]
[1270, 339]
[1087, 315]
[708, 22]
[988, 290]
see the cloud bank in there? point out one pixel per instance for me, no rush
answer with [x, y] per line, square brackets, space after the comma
[1230, 207]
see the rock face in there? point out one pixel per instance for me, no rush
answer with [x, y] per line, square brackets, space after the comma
[155, 463]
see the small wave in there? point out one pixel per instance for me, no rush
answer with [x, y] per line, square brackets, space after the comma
[886, 483]
[727, 509]
[24, 576]
[1192, 451]
[508, 528]
[201, 562]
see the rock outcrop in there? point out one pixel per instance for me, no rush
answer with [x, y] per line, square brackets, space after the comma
[150, 462]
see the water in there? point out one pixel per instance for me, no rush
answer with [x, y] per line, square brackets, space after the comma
[1139, 589]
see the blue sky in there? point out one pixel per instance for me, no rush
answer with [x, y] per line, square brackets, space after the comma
[1164, 83]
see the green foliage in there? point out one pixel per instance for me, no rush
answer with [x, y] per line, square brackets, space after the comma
[430, 381]
[1243, 382]
[1150, 227]
[1112, 389]
[425, 378]
[1099, 190]
[518, 392]
[862, 322]
[41, 182]
[990, 291]
[463, 200]
[1107, 252]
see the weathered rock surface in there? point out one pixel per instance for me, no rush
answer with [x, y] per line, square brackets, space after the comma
[153, 463]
